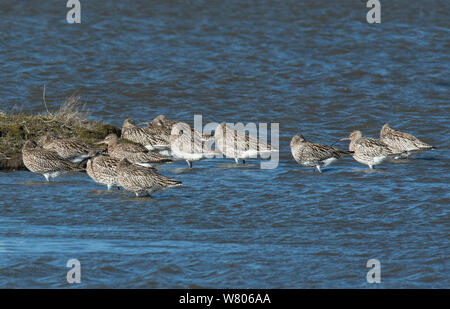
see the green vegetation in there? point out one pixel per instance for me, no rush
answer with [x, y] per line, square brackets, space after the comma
[69, 121]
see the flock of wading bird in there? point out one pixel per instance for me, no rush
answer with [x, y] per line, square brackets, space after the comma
[132, 165]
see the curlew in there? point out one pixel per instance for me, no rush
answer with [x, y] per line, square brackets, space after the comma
[188, 144]
[103, 170]
[368, 151]
[238, 144]
[142, 180]
[66, 148]
[46, 162]
[314, 155]
[402, 142]
[135, 153]
[160, 122]
[150, 138]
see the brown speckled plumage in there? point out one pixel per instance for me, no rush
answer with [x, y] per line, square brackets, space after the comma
[68, 149]
[127, 124]
[312, 154]
[161, 121]
[103, 170]
[368, 151]
[402, 142]
[142, 180]
[151, 138]
[46, 162]
[135, 153]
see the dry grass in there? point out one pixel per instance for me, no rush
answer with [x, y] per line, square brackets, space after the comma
[72, 113]
[70, 120]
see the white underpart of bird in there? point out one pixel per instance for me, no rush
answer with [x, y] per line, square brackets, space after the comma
[329, 161]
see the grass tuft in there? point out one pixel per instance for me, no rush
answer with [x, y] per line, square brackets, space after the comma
[70, 120]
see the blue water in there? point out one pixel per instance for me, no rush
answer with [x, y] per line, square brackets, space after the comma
[315, 67]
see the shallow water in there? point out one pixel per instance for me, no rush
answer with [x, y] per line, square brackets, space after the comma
[314, 67]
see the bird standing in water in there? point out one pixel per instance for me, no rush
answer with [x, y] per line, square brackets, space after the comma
[188, 144]
[68, 149]
[103, 170]
[142, 180]
[46, 162]
[239, 144]
[402, 142]
[314, 155]
[367, 150]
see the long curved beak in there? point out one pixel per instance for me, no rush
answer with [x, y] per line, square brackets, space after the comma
[345, 139]
[99, 143]
[145, 123]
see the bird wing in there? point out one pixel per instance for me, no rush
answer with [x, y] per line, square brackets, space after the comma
[406, 141]
[372, 147]
[131, 148]
[144, 136]
[51, 161]
[106, 164]
[243, 141]
[320, 152]
[144, 177]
